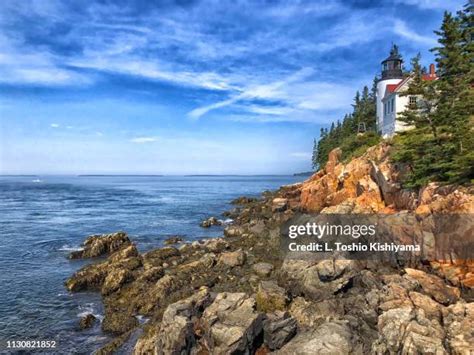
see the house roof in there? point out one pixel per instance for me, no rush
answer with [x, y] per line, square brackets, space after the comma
[391, 87]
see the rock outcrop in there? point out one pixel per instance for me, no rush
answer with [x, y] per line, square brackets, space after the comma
[240, 294]
[99, 245]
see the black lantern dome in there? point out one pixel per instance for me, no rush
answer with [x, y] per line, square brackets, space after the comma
[392, 66]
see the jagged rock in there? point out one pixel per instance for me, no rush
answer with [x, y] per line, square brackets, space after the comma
[331, 269]
[93, 277]
[233, 258]
[176, 334]
[211, 221]
[90, 277]
[263, 269]
[279, 204]
[115, 279]
[459, 322]
[233, 213]
[243, 200]
[152, 274]
[431, 308]
[332, 337]
[158, 257]
[231, 324]
[435, 287]
[310, 314]
[406, 331]
[206, 261]
[216, 245]
[87, 321]
[118, 321]
[278, 329]
[271, 297]
[232, 231]
[319, 281]
[157, 293]
[98, 245]
[130, 251]
[173, 240]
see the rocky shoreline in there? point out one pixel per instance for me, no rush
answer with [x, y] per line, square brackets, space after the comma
[239, 294]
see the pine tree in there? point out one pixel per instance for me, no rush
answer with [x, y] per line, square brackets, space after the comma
[441, 147]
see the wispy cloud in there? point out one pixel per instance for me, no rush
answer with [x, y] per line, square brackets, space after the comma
[402, 29]
[142, 140]
[272, 91]
[54, 125]
[433, 4]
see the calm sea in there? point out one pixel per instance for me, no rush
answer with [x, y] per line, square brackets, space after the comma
[43, 218]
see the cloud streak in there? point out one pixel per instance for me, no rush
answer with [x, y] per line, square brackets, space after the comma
[142, 140]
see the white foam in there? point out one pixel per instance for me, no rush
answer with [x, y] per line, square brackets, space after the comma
[70, 248]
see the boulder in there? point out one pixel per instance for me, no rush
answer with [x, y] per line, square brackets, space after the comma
[310, 314]
[176, 334]
[173, 240]
[211, 221]
[263, 269]
[406, 331]
[87, 321]
[233, 258]
[243, 200]
[115, 279]
[333, 337]
[279, 204]
[98, 245]
[232, 231]
[459, 322]
[278, 329]
[434, 287]
[271, 297]
[231, 325]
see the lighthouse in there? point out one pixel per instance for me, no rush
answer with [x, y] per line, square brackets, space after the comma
[392, 74]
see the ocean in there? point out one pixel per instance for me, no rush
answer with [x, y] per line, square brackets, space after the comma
[43, 218]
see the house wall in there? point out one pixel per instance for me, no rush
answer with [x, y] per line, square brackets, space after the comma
[402, 103]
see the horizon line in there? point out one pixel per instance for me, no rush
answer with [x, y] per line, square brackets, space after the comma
[145, 175]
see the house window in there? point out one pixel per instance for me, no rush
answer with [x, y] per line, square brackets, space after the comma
[393, 104]
[412, 101]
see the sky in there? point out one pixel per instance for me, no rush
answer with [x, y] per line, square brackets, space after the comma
[190, 87]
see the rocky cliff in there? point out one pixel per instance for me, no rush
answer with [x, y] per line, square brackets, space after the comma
[239, 294]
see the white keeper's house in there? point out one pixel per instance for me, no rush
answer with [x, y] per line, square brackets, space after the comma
[389, 101]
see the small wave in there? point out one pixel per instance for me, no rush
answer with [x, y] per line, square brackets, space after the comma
[88, 308]
[228, 221]
[141, 319]
[36, 180]
[70, 248]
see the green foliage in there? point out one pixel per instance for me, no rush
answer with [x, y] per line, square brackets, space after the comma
[440, 147]
[345, 134]
[356, 144]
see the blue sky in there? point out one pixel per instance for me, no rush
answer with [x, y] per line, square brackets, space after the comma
[189, 87]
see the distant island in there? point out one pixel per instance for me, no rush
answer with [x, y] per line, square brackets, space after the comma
[304, 173]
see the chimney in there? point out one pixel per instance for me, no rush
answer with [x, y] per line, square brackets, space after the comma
[432, 70]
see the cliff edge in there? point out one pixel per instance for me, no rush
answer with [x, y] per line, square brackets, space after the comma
[240, 294]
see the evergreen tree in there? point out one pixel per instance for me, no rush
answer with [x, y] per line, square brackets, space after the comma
[441, 146]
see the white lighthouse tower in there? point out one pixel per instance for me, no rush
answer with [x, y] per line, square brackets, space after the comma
[392, 74]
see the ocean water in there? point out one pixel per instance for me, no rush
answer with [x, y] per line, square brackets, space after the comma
[43, 218]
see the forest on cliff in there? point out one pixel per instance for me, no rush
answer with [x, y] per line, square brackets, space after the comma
[440, 146]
